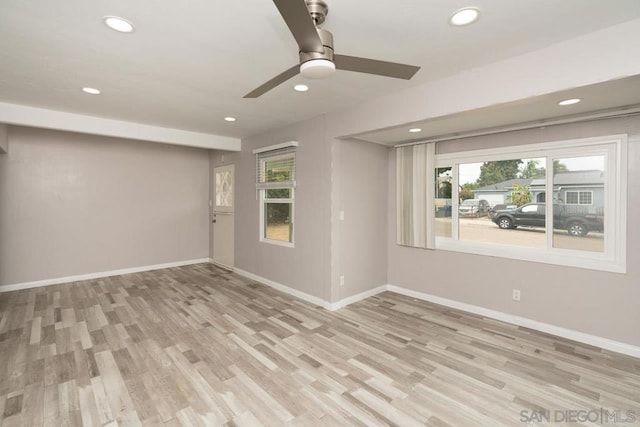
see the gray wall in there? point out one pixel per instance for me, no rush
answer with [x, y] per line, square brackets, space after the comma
[4, 138]
[598, 303]
[307, 266]
[359, 243]
[75, 204]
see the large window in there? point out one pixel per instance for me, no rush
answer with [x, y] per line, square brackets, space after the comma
[276, 187]
[559, 203]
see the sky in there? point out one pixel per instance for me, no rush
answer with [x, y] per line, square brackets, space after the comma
[470, 172]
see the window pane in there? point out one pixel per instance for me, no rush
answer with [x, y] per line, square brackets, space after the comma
[224, 189]
[280, 169]
[278, 193]
[578, 209]
[443, 202]
[571, 197]
[502, 202]
[277, 221]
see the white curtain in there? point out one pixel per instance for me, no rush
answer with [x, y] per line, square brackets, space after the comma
[414, 195]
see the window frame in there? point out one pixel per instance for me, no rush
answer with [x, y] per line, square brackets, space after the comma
[613, 147]
[263, 200]
[579, 194]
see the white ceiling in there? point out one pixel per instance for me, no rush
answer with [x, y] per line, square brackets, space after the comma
[189, 64]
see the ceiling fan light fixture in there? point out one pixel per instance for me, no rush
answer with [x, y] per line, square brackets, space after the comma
[464, 16]
[317, 68]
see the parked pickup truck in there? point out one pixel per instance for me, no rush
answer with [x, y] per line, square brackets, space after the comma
[565, 217]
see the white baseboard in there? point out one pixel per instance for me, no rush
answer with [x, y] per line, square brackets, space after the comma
[331, 306]
[283, 288]
[582, 337]
[593, 340]
[221, 265]
[91, 276]
[355, 298]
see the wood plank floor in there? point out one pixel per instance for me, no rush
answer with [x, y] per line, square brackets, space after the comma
[198, 346]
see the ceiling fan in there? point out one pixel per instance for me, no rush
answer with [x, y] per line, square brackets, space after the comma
[317, 59]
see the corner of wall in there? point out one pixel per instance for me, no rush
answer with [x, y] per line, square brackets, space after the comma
[4, 138]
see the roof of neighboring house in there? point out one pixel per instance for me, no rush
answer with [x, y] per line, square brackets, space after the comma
[505, 185]
[579, 177]
[592, 177]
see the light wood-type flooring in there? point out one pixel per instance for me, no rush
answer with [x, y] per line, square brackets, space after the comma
[198, 346]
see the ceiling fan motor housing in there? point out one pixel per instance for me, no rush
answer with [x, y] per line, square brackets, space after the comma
[327, 42]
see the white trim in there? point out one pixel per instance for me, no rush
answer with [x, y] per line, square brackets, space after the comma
[276, 147]
[221, 265]
[355, 298]
[263, 201]
[283, 288]
[91, 276]
[331, 306]
[582, 337]
[579, 193]
[612, 147]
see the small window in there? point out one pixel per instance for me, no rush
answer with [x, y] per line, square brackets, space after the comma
[579, 197]
[275, 171]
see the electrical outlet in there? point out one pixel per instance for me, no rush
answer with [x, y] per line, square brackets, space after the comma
[516, 294]
[341, 280]
[341, 215]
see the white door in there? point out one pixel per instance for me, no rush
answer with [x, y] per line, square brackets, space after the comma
[223, 203]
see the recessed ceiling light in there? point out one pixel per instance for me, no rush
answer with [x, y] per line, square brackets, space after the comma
[301, 88]
[230, 119]
[464, 16]
[91, 90]
[569, 101]
[118, 24]
[415, 130]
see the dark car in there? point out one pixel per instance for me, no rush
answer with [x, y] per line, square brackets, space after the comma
[533, 215]
[499, 207]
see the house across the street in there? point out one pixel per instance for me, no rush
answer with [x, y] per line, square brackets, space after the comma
[579, 188]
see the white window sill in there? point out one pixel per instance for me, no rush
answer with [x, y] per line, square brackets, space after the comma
[564, 257]
[277, 242]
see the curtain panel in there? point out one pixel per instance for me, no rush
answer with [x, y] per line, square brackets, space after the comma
[414, 195]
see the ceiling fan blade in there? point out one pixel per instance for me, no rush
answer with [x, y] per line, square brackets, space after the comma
[296, 15]
[277, 80]
[373, 66]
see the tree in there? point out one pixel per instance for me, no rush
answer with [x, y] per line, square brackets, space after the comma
[531, 170]
[559, 167]
[466, 191]
[444, 190]
[498, 171]
[520, 195]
